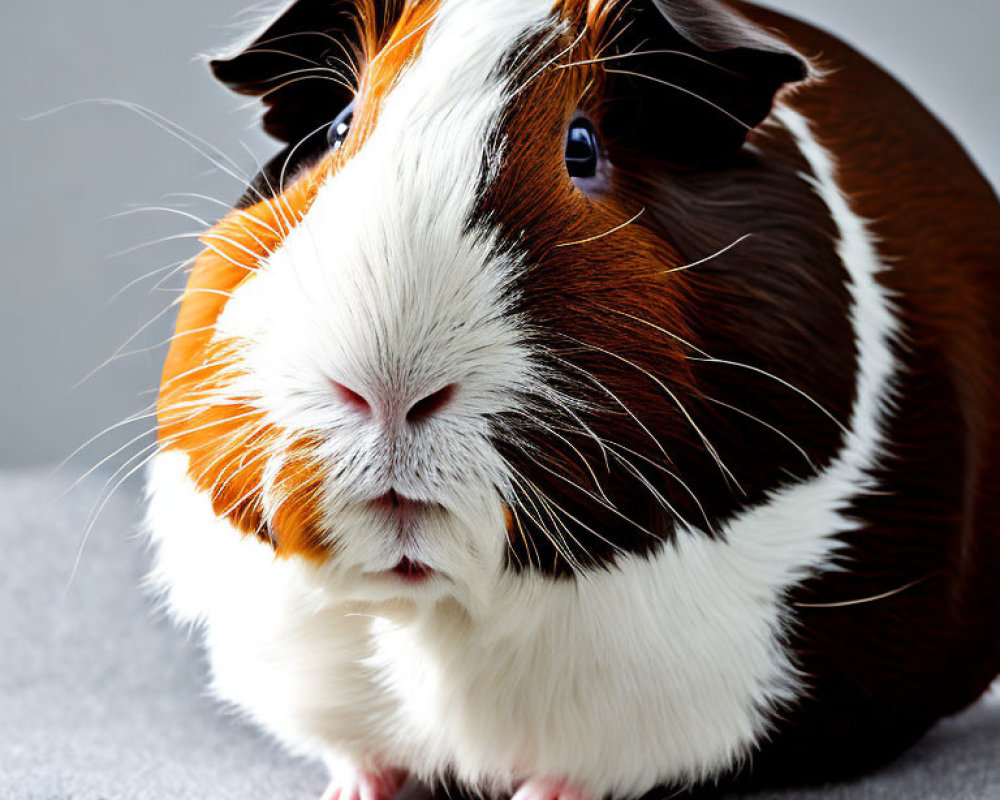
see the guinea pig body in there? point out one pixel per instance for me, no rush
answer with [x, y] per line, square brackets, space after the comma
[603, 401]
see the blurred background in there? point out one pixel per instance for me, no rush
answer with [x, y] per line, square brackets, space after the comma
[88, 268]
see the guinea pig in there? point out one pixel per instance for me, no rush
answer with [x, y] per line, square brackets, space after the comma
[593, 397]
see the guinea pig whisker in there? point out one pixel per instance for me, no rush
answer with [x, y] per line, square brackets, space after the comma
[202, 290]
[613, 396]
[314, 71]
[290, 157]
[657, 495]
[118, 352]
[250, 219]
[175, 237]
[654, 326]
[278, 204]
[606, 233]
[147, 412]
[227, 206]
[209, 237]
[576, 451]
[220, 362]
[526, 485]
[258, 453]
[555, 400]
[714, 255]
[203, 148]
[704, 356]
[676, 400]
[872, 599]
[171, 270]
[201, 236]
[608, 505]
[104, 497]
[211, 233]
[151, 348]
[255, 488]
[255, 220]
[767, 425]
[274, 201]
[673, 476]
[607, 502]
[551, 510]
[518, 481]
[615, 547]
[165, 209]
[173, 338]
[225, 451]
[683, 90]
[529, 543]
[209, 425]
[110, 456]
[774, 377]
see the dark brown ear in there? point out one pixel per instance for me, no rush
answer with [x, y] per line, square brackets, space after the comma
[691, 78]
[299, 64]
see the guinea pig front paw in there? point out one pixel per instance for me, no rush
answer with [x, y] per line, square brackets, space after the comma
[364, 785]
[548, 789]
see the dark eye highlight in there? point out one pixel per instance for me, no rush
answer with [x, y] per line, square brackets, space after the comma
[339, 128]
[583, 152]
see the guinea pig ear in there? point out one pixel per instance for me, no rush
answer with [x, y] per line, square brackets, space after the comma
[692, 78]
[296, 61]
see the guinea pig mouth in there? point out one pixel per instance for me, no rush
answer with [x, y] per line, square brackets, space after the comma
[400, 508]
[411, 571]
[404, 515]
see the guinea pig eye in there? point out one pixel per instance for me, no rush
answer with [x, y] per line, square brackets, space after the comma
[339, 128]
[582, 149]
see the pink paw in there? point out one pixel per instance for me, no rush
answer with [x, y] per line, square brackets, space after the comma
[364, 785]
[545, 789]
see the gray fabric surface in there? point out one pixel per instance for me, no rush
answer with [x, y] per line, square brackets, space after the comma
[101, 700]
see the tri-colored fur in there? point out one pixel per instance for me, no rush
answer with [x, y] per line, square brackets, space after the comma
[712, 491]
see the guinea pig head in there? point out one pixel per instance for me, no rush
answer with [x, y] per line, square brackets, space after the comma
[449, 331]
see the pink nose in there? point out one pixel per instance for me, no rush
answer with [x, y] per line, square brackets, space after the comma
[386, 406]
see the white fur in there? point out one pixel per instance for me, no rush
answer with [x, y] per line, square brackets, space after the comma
[667, 668]
[381, 289]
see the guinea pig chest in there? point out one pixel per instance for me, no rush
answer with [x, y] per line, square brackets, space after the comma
[591, 398]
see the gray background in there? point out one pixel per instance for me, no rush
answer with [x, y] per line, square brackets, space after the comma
[66, 174]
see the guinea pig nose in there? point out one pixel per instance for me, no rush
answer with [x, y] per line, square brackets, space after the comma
[387, 406]
[426, 407]
[352, 399]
